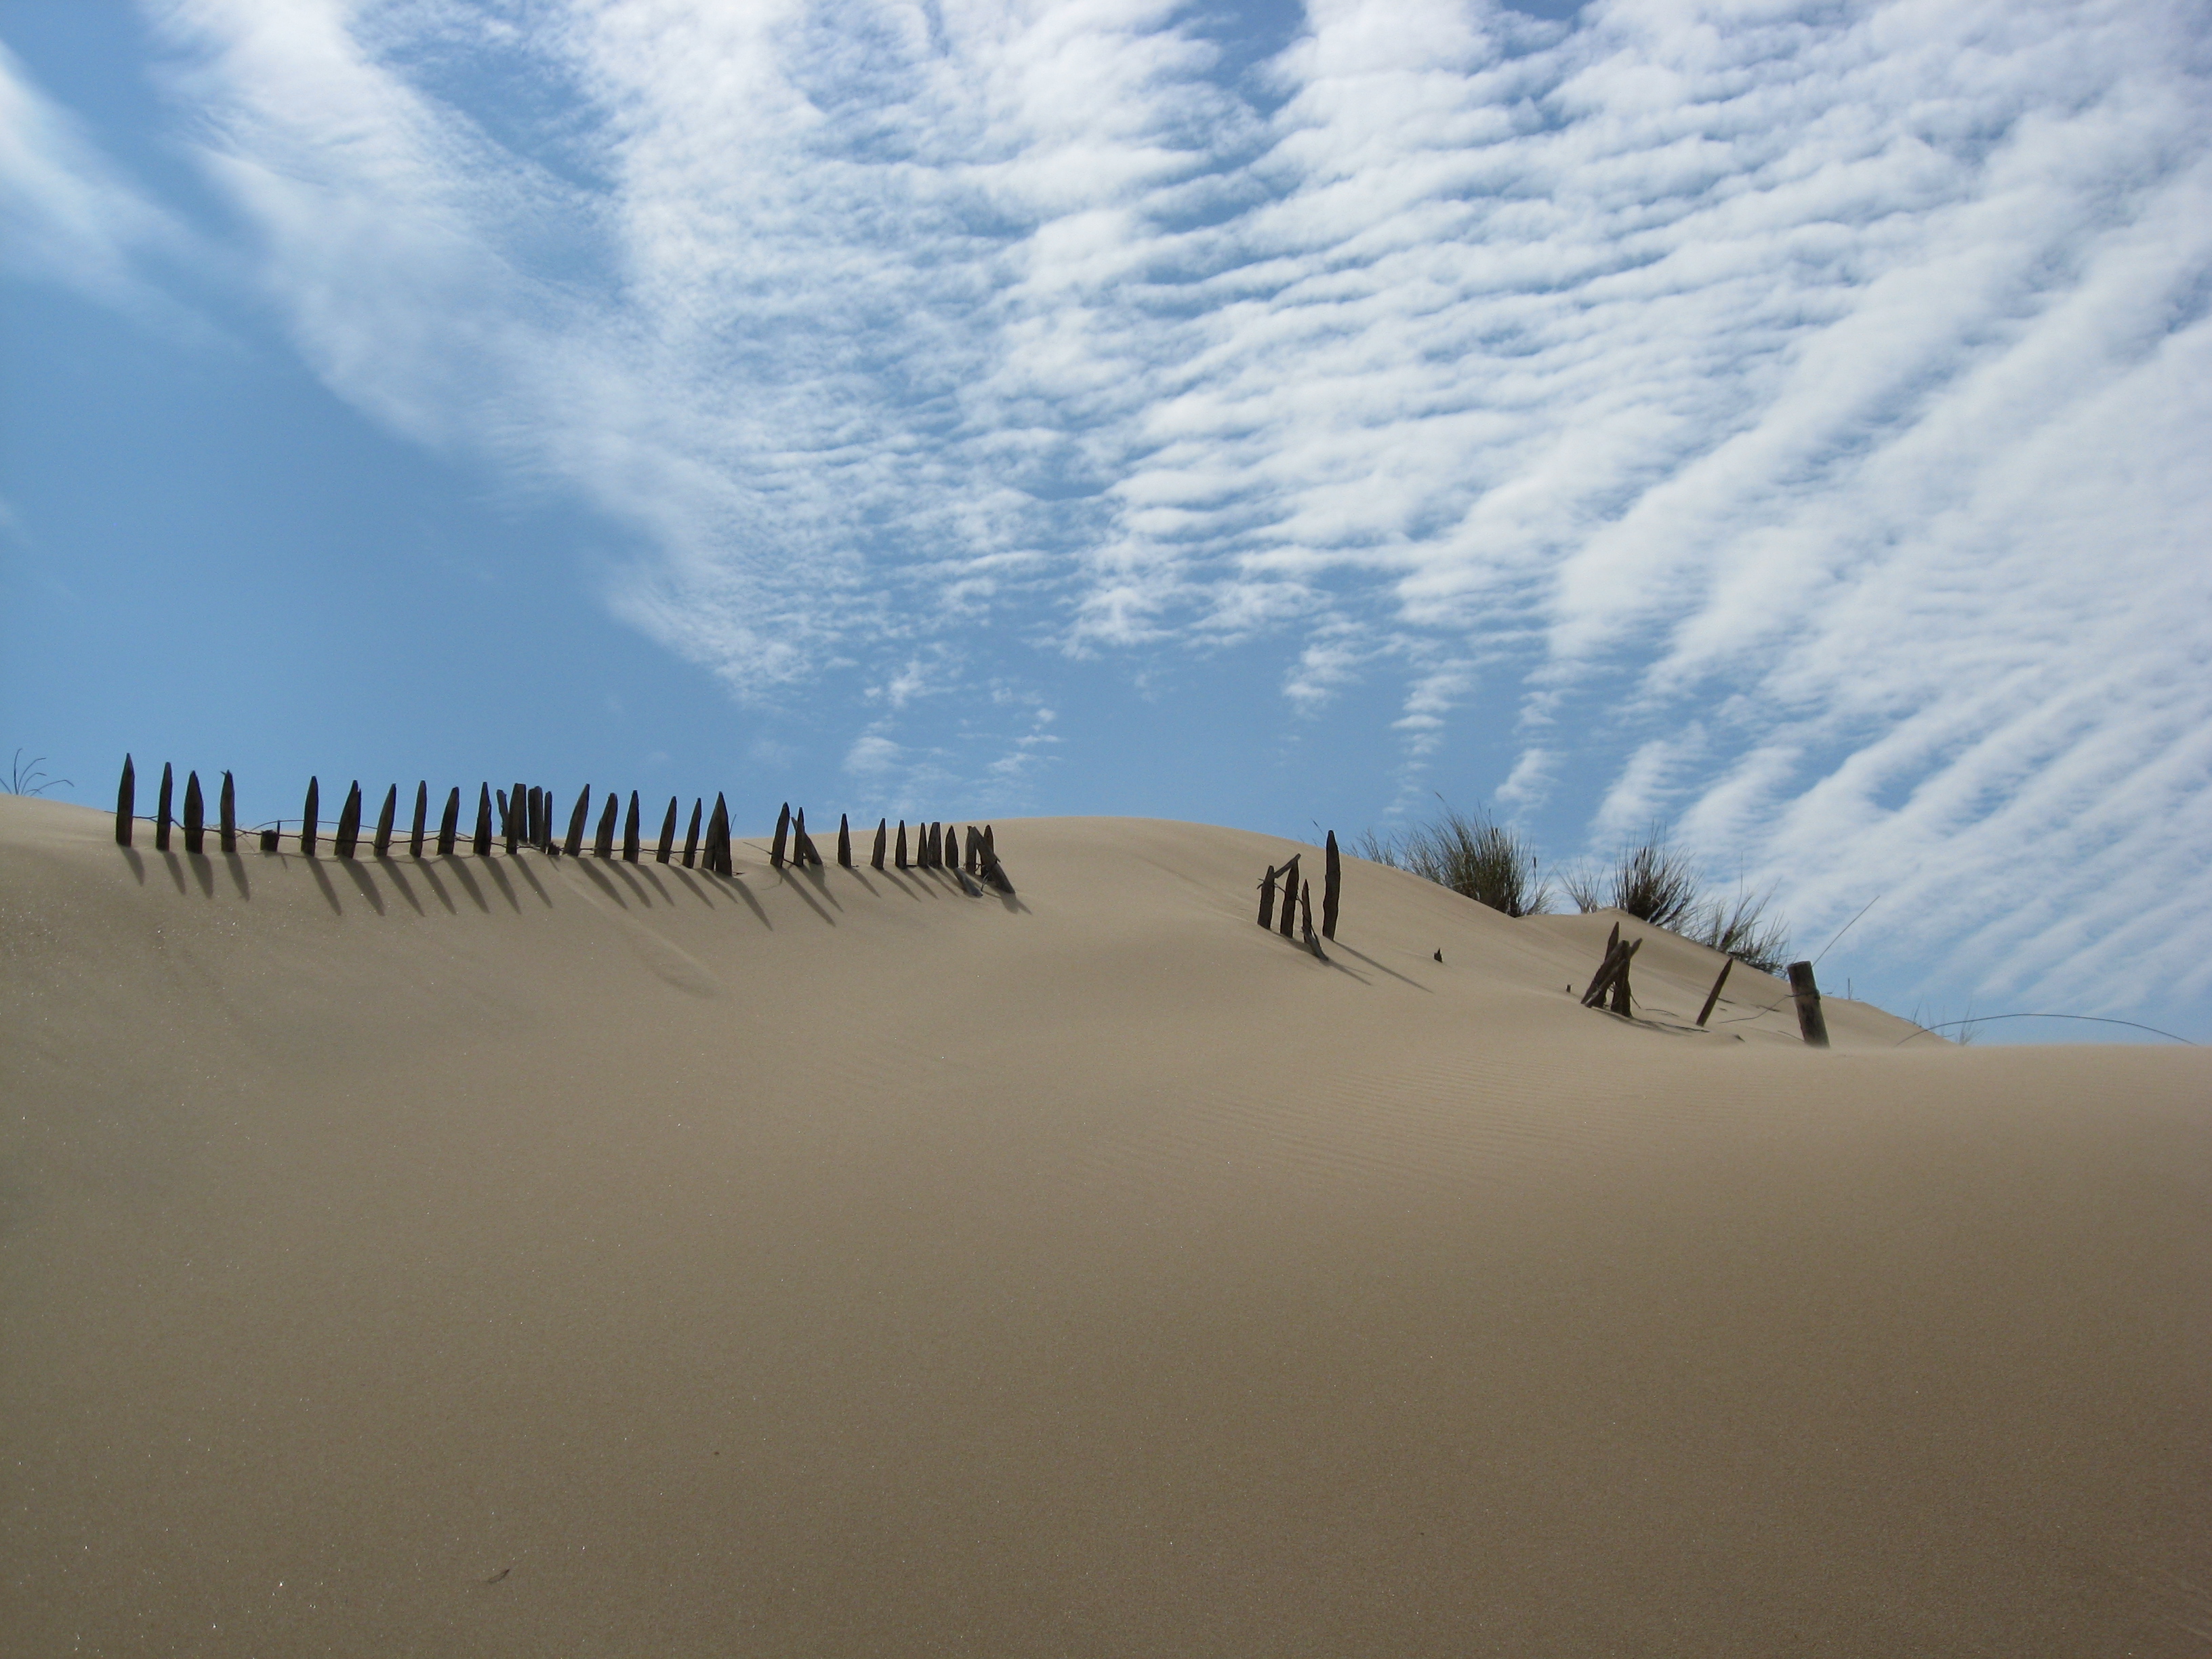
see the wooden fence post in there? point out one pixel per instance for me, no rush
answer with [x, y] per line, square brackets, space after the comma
[1331, 887]
[421, 817]
[126, 802]
[161, 811]
[844, 841]
[900, 860]
[1714, 995]
[195, 815]
[630, 831]
[1812, 1024]
[882, 835]
[484, 821]
[667, 850]
[603, 842]
[384, 822]
[782, 829]
[226, 808]
[691, 835]
[573, 845]
[349, 835]
[308, 814]
[518, 818]
[952, 848]
[449, 822]
[1267, 900]
[1305, 925]
[1290, 894]
[718, 839]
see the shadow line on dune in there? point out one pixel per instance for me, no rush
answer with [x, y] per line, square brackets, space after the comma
[138, 864]
[800, 889]
[1338, 944]
[364, 880]
[468, 882]
[236, 866]
[329, 893]
[391, 873]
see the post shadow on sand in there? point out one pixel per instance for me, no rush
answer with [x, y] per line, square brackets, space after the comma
[392, 873]
[329, 893]
[799, 888]
[236, 866]
[460, 869]
[1380, 969]
[361, 878]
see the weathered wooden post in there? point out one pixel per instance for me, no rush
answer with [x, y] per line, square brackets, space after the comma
[952, 848]
[533, 818]
[802, 844]
[1267, 900]
[573, 845]
[308, 816]
[269, 840]
[384, 817]
[162, 811]
[667, 850]
[421, 817]
[936, 845]
[1611, 970]
[1812, 1024]
[782, 829]
[1621, 1003]
[226, 820]
[1714, 995]
[482, 844]
[899, 862]
[1290, 894]
[1331, 887]
[348, 835]
[691, 836]
[883, 840]
[126, 802]
[630, 831]
[990, 843]
[603, 842]
[844, 841]
[1306, 920]
[718, 839]
[195, 815]
[518, 818]
[449, 822]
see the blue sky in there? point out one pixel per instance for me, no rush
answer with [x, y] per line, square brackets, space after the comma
[1787, 422]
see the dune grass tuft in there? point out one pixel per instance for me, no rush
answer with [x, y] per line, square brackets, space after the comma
[1487, 861]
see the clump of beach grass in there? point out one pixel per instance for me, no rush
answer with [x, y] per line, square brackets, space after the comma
[1656, 881]
[1470, 854]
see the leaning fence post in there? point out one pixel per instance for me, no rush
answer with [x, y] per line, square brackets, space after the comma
[782, 829]
[603, 842]
[421, 817]
[384, 822]
[883, 833]
[161, 811]
[1331, 887]
[307, 816]
[1267, 899]
[195, 815]
[691, 835]
[629, 831]
[126, 802]
[227, 807]
[952, 848]
[1812, 1024]
[1622, 1004]
[573, 845]
[350, 822]
[1714, 995]
[449, 822]
[484, 821]
[1290, 894]
[1306, 927]
[661, 854]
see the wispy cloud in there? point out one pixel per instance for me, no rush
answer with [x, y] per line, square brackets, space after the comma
[1798, 407]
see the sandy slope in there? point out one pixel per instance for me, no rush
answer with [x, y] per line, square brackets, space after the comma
[843, 1265]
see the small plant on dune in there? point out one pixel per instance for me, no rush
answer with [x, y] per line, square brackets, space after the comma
[1487, 861]
[1657, 882]
[1742, 929]
[29, 780]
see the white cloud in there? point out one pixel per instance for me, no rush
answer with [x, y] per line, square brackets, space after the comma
[1803, 404]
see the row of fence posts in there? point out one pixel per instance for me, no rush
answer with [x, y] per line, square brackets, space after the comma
[1611, 982]
[526, 817]
[1298, 899]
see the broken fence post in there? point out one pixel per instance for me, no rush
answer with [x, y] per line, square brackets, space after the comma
[573, 845]
[421, 817]
[1812, 1024]
[308, 814]
[484, 821]
[1714, 995]
[195, 815]
[227, 819]
[161, 811]
[883, 834]
[952, 848]
[449, 822]
[269, 841]
[384, 814]
[533, 818]
[1290, 894]
[782, 831]
[1331, 887]
[1267, 899]
[126, 802]
[518, 818]
[1622, 1003]
[691, 835]
[1305, 925]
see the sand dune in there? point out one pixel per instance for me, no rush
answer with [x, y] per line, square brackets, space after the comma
[550, 1256]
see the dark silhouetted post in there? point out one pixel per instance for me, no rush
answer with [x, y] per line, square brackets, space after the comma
[162, 811]
[518, 818]
[630, 831]
[226, 815]
[952, 848]
[269, 841]
[574, 847]
[899, 861]
[667, 850]
[533, 820]
[603, 842]
[718, 839]
[1332, 887]
[1290, 894]
[1614, 966]
[195, 815]
[309, 815]
[482, 845]
[1305, 919]
[1621, 1003]
[1812, 1024]
[1714, 995]
[384, 817]
[126, 802]
[1268, 898]
[782, 829]
[349, 835]
[449, 825]
[691, 835]
[802, 844]
[881, 850]
[844, 841]
[421, 817]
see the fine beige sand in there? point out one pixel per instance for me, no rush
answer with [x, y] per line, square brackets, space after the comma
[553, 1257]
